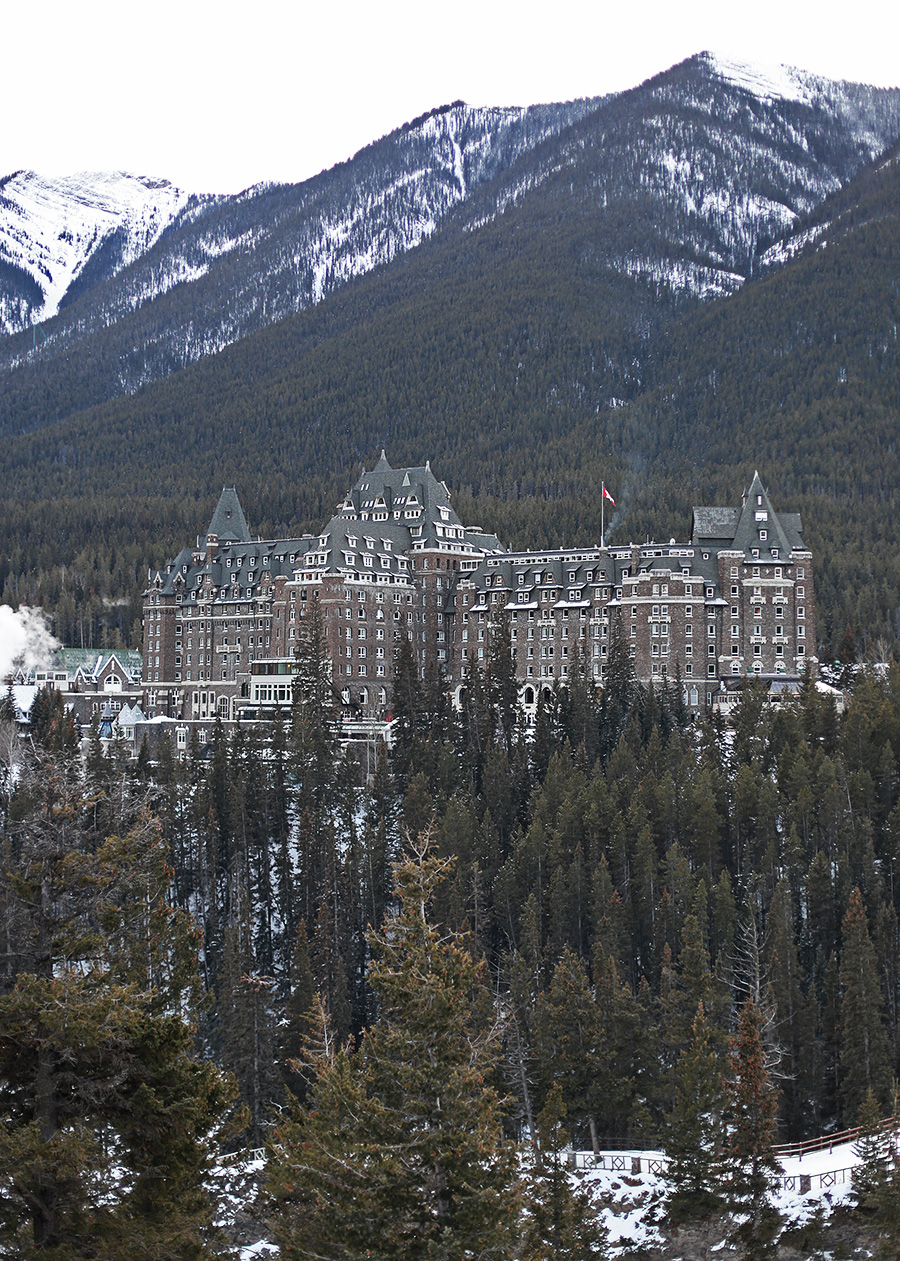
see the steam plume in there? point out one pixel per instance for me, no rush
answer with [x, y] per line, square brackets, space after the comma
[24, 640]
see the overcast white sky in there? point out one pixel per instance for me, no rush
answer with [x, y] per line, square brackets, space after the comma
[217, 96]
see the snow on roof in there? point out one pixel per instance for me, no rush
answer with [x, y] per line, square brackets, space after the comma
[23, 695]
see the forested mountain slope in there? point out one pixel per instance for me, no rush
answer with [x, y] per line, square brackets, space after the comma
[514, 351]
[800, 375]
[228, 266]
[681, 180]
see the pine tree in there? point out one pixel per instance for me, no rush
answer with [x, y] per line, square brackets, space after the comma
[619, 689]
[865, 1058]
[568, 1042]
[400, 1153]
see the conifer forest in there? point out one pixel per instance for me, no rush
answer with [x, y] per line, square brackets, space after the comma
[393, 969]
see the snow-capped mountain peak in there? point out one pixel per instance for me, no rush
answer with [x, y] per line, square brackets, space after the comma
[51, 226]
[768, 82]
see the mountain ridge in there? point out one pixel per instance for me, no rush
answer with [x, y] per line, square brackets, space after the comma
[224, 268]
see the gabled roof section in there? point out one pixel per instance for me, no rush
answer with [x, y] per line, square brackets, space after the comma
[228, 521]
[714, 524]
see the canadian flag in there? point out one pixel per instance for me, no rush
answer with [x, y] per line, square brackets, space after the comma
[607, 495]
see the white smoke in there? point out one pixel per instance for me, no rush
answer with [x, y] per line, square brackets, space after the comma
[25, 640]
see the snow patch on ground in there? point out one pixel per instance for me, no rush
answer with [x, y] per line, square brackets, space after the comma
[682, 276]
[629, 1189]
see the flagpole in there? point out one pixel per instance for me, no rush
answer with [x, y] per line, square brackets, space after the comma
[602, 507]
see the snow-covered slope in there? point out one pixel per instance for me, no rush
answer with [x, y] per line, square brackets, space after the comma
[690, 176]
[51, 227]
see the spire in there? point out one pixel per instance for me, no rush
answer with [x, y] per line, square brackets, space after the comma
[382, 466]
[228, 520]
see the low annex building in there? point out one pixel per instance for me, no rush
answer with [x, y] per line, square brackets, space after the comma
[222, 621]
[105, 682]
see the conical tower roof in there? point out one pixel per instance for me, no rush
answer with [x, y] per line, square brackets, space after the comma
[756, 516]
[228, 520]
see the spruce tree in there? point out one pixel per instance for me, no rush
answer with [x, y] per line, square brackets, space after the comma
[872, 1146]
[560, 1221]
[886, 1197]
[400, 1152]
[107, 1115]
[695, 1129]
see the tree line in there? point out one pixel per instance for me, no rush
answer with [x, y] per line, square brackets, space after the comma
[631, 901]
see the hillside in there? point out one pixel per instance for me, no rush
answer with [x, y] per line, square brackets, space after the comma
[228, 266]
[551, 334]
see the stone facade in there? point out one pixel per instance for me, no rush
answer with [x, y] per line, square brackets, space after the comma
[222, 621]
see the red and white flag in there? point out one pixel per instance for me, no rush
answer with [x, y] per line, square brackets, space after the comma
[607, 495]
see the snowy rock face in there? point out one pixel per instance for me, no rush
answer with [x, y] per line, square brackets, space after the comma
[51, 228]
